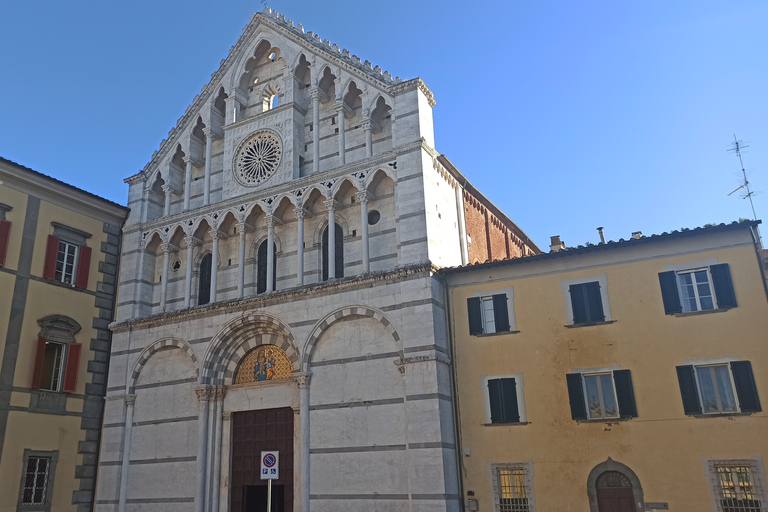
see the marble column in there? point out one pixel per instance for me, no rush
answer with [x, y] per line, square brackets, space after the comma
[187, 182]
[208, 149]
[368, 137]
[314, 93]
[340, 110]
[167, 250]
[363, 196]
[300, 214]
[270, 253]
[214, 262]
[191, 243]
[331, 205]
[226, 450]
[168, 190]
[130, 401]
[220, 392]
[203, 397]
[302, 379]
[241, 230]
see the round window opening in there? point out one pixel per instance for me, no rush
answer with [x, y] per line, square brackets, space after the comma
[258, 158]
[374, 217]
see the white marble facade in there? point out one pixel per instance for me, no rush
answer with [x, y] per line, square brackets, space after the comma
[370, 388]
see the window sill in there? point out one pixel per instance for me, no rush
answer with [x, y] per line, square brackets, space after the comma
[707, 312]
[504, 424]
[63, 285]
[495, 334]
[607, 421]
[719, 414]
[606, 322]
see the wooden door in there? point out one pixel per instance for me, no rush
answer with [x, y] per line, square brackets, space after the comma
[252, 433]
[620, 499]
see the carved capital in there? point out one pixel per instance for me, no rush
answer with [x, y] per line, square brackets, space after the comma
[216, 234]
[343, 107]
[191, 241]
[218, 393]
[302, 379]
[130, 400]
[209, 133]
[302, 213]
[168, 248]
[188, 160]
[168, 190]
[203, 393]
[331, 204]
[364, 196]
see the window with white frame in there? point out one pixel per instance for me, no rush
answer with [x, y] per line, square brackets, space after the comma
[66, 261]
[601, 393]
[37, 480]
[718, 387]
[512, 487]
[699, 286]
[586, 300]
[491, 312]
[737, 485]
[503, 399]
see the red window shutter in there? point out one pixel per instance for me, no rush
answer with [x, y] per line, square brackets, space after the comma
[5, 232]
[83, 267]
[51, 254]
[37, 374]
[73, 365]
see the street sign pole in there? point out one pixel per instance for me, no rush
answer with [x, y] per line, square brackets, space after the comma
[270, 471]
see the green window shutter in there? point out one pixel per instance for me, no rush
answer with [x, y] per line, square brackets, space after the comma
[594, 302]
[721, 281]
[746, 389]
[669, 293]
[475, 316]
[494, 397]
[500, 312]
[578, 304]
[686, 377]
[576, 396]
[511, 413]
[625, 394]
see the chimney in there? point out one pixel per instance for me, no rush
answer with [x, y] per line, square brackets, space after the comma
[637, 235]
[555, 245]
[602, 237]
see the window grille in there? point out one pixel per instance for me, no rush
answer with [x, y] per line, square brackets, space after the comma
[739, 486]
[612, 479]
[36, 481]
[513, 488]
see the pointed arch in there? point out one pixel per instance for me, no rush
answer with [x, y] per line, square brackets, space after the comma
[345, 312]
[151, 349]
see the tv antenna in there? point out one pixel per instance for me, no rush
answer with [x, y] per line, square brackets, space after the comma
[737, 147]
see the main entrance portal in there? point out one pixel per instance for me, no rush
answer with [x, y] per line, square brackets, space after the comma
[252, 433]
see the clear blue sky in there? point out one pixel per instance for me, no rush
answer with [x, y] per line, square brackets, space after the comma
[568, 115]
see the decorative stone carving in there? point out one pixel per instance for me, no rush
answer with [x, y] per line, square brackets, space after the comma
[258, 158]
[302, 379]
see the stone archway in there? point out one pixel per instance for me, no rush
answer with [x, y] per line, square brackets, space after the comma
[609, 485]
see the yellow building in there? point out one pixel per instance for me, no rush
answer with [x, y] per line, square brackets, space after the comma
[59, 249]
[624, 376]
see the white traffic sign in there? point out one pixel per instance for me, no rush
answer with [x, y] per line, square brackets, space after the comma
[270, 465]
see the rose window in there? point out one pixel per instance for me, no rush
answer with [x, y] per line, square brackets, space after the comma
[258, 158]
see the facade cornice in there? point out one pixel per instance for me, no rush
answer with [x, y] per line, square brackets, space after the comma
[416, 83]
[63, 194]
[416, 270]
[353, 169]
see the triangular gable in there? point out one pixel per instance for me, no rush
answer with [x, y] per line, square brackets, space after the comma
[278, 23]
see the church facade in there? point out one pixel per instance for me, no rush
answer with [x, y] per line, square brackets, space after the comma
[277, 292]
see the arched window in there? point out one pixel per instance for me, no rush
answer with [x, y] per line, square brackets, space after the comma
[204, 290]
[261, 269]
[339, 246]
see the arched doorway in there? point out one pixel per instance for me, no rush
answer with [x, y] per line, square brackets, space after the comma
[614, 487]
[614, 493]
